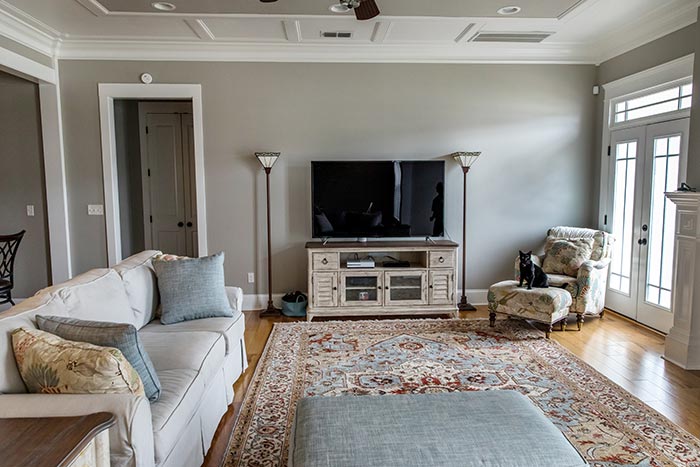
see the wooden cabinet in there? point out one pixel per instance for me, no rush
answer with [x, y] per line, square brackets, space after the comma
[427, 286]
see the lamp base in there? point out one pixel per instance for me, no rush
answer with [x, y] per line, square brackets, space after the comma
[270, 310]
[464, 305]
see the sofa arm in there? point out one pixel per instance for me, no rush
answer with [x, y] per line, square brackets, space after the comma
[535, 259]
[130, 440]
[235, 297]
[592, 281]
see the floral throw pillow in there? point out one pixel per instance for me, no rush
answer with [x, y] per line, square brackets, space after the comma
[51, 365]
[565, 256]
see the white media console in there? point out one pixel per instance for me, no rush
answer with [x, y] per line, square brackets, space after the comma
[426, 286]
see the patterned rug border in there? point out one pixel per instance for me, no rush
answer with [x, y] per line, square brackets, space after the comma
[249, 405]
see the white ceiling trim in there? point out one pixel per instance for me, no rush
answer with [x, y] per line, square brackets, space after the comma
[340, 53]
[28, 34]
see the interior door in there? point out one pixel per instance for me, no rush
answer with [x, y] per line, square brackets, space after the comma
[191, 242]
[646, 162]
[166, 183]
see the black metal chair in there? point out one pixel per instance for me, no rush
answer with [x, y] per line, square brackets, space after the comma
[8, 251]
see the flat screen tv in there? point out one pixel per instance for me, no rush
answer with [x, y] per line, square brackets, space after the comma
[356, 199]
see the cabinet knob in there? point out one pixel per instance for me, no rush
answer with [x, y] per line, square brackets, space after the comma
[324, 261]
[386, 288]
[335, 288]
[430, 286]
[441, 259]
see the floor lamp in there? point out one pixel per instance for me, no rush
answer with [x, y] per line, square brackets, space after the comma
[465, 160]
[267, 160]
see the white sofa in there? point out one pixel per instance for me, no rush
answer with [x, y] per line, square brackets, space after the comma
[197, 363]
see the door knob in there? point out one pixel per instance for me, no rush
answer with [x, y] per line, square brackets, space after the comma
[642, 241]
[189, 224]
[180, 224]
[645, 228]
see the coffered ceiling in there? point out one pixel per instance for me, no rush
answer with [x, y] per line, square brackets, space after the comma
[556, 31]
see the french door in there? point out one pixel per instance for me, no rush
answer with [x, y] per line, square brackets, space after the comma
[645, 162]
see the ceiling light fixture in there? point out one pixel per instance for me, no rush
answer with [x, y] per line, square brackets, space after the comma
[509, 10]
[339, 8]
[163, 6]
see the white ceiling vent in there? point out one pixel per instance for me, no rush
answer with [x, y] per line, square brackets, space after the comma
[336, 35]
[523, 37]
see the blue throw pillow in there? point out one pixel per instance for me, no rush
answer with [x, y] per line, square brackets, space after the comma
[192, 288]
[117, 335]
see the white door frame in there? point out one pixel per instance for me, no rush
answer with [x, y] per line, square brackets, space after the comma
[54, 161]
[108, 92]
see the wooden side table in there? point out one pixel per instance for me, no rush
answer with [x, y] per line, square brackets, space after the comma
[56, 441]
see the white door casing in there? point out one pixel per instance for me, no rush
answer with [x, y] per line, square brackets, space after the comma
[108, 92]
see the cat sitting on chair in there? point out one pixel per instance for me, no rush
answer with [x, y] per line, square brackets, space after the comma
[532, 274]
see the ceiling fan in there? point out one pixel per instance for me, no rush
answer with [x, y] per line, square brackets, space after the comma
[364, 9]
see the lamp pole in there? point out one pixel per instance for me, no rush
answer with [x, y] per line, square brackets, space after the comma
[464, 304]
[268, 160]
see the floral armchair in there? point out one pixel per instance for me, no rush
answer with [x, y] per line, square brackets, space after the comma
[587, 286]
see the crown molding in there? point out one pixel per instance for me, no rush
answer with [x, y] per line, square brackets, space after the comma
[658, 23]
[305, 52]
[27, 30]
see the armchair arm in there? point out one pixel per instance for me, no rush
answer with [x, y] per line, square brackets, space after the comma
[131, 439]
[592, 281]
[235, 297]
[535, 259]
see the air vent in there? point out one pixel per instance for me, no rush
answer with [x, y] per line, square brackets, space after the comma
[336, 35]
[527, 37]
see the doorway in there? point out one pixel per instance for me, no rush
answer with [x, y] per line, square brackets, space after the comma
[155, 168]
[646, 161]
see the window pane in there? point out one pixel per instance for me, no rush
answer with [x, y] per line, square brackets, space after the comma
[620, 117]
[687, 90]
[686, 102]
[674, 145]
[652, 110]
[620, 107]
[623, 215]
[668, 94]
[665, 299]
[653, 295]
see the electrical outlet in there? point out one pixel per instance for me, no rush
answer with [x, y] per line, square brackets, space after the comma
[30, 210]
[96, 210]
[251, 278]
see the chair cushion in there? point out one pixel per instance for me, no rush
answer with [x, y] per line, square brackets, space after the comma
[118, 335]
[192, 288]
[140, 284]
[602, 241]
[548, 305]
[467, 429]
[559, 280]
[231, 328]
[565, 256]
[51, 365]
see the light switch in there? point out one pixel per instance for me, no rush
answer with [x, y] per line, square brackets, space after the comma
[251, 277]
[96, 210]
[30, 210]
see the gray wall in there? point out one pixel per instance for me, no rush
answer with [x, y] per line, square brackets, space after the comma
[534, 125]
[694, 143]
[126, 132]
[22, 181]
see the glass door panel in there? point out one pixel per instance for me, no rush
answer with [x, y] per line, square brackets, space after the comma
[406, 287]
[361, 289]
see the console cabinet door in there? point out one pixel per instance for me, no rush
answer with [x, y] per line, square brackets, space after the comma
[405, 288]
[361, 289]
[325, 289]
[441, 288]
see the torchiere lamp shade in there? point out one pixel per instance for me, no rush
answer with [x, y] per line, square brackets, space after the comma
[267, 159]
[466, 159]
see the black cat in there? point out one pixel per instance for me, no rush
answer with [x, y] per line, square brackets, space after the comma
[531, 273]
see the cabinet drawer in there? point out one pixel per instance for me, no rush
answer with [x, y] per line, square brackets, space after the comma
[442, 259]
[325, 261]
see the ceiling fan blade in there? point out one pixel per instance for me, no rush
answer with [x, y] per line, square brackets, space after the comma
[368, 9]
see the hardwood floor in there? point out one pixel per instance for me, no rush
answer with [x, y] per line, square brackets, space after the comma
[627, 353]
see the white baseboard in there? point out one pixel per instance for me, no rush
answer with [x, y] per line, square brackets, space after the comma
[259, 301]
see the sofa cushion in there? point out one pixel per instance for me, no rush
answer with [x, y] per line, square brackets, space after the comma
[52, 365]
[231, 328]
[118, 335]
[140, 285]
[181, 396]
[203, 352]
[96, 295]
[16, 317]
[192, 289]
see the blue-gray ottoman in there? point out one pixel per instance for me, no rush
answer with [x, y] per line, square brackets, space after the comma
[485, 429]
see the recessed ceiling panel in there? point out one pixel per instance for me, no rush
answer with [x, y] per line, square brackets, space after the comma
[445, 8]
[245, 29]
[426, 31]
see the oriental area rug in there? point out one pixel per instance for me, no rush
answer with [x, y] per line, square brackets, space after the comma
[609, 426]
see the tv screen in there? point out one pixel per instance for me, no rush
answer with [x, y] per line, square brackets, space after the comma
[378, 198]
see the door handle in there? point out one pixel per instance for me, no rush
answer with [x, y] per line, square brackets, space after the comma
[642, 241]
[180, 224]
[189, 224]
